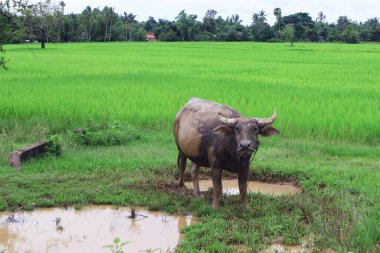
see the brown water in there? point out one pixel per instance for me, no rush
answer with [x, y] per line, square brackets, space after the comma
[287, 249]
[230, 187]
[89, 229]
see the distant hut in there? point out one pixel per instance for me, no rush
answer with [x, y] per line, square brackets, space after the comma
[150, 37]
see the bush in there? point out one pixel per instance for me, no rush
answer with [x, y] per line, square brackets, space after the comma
[110, 134]
[3, 61]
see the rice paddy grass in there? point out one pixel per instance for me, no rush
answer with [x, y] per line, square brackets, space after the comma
[321, 91]
[126, 96]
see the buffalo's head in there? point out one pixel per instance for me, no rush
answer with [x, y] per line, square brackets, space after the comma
[247, 130]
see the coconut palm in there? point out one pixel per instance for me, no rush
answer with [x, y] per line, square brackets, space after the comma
[277, 12]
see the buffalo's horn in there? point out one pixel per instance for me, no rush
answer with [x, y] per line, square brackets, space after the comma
[227, 121]
[266, 121]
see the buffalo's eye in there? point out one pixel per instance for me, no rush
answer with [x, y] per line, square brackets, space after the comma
[237, 128]
[255, 129]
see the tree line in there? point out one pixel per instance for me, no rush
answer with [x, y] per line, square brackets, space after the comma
[46, 21]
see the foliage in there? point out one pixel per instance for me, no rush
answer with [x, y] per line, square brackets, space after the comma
[288, 33]
[109, 134]
[261, 30]
[54, 145]
[187, 26]
[332, 35]
[117, 246]
[349, 35]
[300, 22]
[3, 61]
[47, 21]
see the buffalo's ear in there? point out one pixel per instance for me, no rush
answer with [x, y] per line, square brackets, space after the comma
[268, 131]
[223, 130]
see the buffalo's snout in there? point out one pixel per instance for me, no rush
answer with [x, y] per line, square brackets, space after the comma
[248, 145]
[245, 145]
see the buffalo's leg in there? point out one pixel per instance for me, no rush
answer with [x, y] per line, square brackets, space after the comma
[181, 168]
[217, 186]
[243, 182]
[194, 176]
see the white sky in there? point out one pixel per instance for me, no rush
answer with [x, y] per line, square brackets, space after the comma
[357, 10]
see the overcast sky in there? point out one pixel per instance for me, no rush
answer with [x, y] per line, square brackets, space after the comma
[358, 10]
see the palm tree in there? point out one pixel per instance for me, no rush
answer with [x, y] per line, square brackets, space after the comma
[321, 17]
[88, 18]
[60, 18]
[62, 4]
[262, 17]
[277, 12]
[129, 19]
[234, 20]
[108, 15]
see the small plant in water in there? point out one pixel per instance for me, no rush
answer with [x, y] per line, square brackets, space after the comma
[156, 250]
[117, 246]
[133, 213]
[58, 225]
[10, 219]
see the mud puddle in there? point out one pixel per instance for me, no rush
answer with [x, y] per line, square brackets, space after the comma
[280, 248]
[89, 229]
[230, 187]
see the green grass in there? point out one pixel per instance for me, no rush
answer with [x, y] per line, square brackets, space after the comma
[327, 91]
[126, 96]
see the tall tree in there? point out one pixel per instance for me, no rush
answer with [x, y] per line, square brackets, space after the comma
[278, 13]
[373, 27]
[260, 29]
[349, 34]
[42, 19]
[301, 21]
[5, 6]
[149, 24]
[129, 20]
[108, 13]
[321, 17]
[87, 18]
[342, 22]
[60, 15]
[187, 25]
[209, 23]
[289, 33]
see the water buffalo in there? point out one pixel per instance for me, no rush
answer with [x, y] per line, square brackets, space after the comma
[217, 136]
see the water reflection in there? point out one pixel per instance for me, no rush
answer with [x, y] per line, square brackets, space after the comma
[230, 187]
[89, 229]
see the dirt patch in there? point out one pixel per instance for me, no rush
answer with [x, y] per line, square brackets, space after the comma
[89, 229]
[230, 187]
[205, 173]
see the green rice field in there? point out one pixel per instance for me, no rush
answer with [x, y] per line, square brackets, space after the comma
[327, 91]
[125, 95]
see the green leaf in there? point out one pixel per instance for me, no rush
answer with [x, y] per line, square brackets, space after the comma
[117, 240]
[124, 243]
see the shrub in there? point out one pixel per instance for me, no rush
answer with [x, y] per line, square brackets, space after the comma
[110, 134]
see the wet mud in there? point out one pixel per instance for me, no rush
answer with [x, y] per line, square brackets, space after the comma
[230, 187]
[89, 229]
